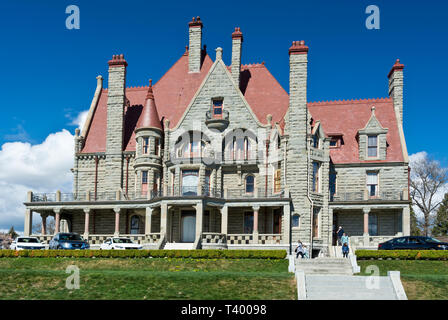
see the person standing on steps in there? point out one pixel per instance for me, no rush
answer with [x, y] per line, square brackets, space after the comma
[340, 233]
[305, 252]
[300, 250]
[344, 238]
[345, 249]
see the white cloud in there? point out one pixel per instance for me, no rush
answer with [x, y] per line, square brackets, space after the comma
[43, 167]
[80, 119]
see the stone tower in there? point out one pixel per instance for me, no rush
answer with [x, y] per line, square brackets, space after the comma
[148, 157]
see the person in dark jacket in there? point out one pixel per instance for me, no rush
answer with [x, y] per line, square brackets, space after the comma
[340, 233]
[300, 251]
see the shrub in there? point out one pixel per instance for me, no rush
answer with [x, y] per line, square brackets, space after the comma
[402, 254]
[194, 254]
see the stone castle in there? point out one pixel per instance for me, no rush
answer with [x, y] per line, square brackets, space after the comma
[216, 156]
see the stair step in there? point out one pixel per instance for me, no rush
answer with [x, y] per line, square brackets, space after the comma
[178, 246]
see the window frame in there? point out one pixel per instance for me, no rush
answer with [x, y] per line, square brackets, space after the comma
[315, 179]
[375, 147]
[377, 188]
[216, 106]
[253, 184]
[145, 145]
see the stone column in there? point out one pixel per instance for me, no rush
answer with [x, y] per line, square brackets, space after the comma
[57, 220]
[224, 219]
[44, 223]
[163, 219]
[199, 219]
[148, 220]
[330, 226]
[255, 227]
[28, 222]
[86, 222]
[366, 226]
[117, 221]
[406, 220]
[286, 228]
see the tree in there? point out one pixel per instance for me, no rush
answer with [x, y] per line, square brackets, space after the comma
[415, 224]
[441, 222]
[428, 180]
[12, 233]
[37, 227]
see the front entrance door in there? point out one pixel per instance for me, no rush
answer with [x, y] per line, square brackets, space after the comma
[188, 222]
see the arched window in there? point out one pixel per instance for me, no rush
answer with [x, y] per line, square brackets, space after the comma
[135, 225]
[250, 184]
[238, 145]
[295, 221]
[191, 145]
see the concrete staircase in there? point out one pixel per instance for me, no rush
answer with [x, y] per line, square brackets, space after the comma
[331, 278]
[178, 246]
[324, 266]
[340, 287]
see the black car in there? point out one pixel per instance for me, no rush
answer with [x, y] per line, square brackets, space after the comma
[68, 241]
[413, 243]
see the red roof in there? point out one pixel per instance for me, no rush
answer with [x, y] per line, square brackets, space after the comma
[149, 118]
[175, 90]
[348, 117]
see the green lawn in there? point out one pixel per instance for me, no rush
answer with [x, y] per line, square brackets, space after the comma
[422, 280]
[156, 278]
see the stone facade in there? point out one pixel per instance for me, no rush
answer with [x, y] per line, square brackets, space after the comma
[227, 177]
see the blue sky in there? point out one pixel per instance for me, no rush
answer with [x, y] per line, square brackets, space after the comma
[48, 72]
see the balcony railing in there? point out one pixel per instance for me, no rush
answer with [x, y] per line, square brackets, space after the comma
[364, 196]
[257, 193]
[183, 191]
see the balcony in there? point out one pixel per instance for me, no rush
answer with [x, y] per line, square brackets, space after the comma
[364, 196]
[217, 122]
[182, 192]
[257, 194]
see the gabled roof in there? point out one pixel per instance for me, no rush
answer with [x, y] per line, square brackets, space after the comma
[348, 117]
[175, 90]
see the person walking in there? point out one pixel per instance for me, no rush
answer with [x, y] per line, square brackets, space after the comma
[299, 250]
[340, 233]
[345, 250]
[344, 238]
[305, 252]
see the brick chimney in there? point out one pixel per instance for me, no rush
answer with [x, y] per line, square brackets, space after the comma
[396, 89]
[195, 44]
[116, 100]
[237, 41]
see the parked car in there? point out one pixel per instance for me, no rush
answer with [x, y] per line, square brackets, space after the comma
[413, 243]
[119, 243]
[69, 241]
[30, 243]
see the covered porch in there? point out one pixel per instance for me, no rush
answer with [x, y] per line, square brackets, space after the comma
[367, 226]
[203, 223]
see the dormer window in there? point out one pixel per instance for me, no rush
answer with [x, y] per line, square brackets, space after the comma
[372, 146]
[217, 108]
